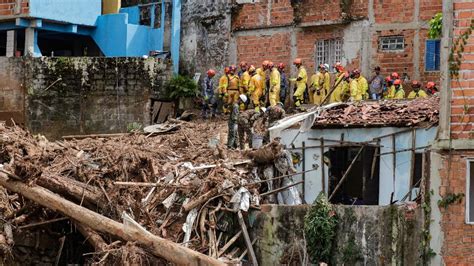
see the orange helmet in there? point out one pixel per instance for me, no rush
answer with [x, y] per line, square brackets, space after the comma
[338, 66]
[265, 63]
[243, 64]
[397, 82]
[281, 66]
[415, 84]
[395, 75]
[211, 72]
[430, 85]
[298, 61]
[227, 70]
[252, 68]
[388, 79]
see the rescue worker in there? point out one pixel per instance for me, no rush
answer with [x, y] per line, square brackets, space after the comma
[431, 89]
[222, 90]
[356, 93]
[233, 88]
[301, 81]
[275, 86]
[209, 102]
[244, 77]
[327, 79]
[342, 87]
[256, 87]
[376, 85]
[394, 76]
[233, 120]
[399, 93]
[388, 88]
[417, 92]
[283, 83]
[317, 92]
[362, 83]
[245, 123]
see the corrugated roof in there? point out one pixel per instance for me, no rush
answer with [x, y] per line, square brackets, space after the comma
[395, 113]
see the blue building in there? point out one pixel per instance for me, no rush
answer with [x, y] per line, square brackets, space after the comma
[90, 28]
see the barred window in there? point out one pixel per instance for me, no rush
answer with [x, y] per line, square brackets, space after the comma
[328, 52]
[392, 43]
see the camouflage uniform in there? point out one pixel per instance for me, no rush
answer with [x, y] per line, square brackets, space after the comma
[210, 103]
[275, 113]
[234, 117]
[245, 125]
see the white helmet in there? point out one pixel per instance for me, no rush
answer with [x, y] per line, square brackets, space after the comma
[326, 66]
[243, 97]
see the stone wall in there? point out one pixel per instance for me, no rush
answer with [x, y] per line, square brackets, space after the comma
[69, 96]
[366, 235]
[10, 8]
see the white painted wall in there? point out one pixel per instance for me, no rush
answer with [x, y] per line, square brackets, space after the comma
[400, 185]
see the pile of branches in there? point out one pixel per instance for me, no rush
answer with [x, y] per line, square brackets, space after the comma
[136, 198]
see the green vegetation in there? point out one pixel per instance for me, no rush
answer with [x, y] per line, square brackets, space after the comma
[449, 199]
[457, 50]
[436, 26]
[320, 229]
[181, 87]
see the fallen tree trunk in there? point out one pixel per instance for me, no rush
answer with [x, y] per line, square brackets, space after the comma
[158, 246]
[92, 237]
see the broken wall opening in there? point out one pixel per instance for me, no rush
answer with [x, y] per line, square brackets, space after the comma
[63, 44]
[361, 187]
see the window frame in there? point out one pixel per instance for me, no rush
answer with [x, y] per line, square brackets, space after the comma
[468, 194]
[329, 50]
[439, 56]
[382, 38]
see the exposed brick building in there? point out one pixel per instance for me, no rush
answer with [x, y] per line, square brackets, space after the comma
[452, 159]
[360, 33]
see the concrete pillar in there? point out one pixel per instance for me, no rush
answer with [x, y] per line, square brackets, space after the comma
[11, 43]
[166, 24]
[176, 34]
[31, 43]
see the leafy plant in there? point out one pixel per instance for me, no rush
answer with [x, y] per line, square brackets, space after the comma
[134, 127]
[457, 50]
[450, 199]
[436, 26]
[181, 87]
[320, 228]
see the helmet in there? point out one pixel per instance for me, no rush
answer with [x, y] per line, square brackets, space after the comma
[338, 66]
[356, 72]
[265, 63]
[346, 75]
[397, 82]
[211, 72]
[227, 70]
[252, 68]
[243, 97]
[430, 85]
[326, 66]
[415, 84]
[232, 68]
[388, 79]
[395, 75]
[243, 64]
[270, 64]
[298, 61]
[281, 66]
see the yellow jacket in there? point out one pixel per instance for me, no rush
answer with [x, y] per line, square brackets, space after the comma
[256, 83]
[301, 84]
[399, 94]
[327, 82]
[363, 87]
[356, 94]
[244, 82]
[275, 80]
[223, 84]
[392, 91]
[317, 81]
[233, 82]
[420, 94]
[341, 89]
[262, 74]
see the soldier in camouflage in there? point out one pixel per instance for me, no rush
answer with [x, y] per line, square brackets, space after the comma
[233, 122]
[245, 124]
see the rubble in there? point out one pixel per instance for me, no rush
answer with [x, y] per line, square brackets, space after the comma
[382, 113]
[172, 187]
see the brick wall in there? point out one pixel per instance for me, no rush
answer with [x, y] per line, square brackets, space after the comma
[458, 236]
[462, 105]
[8, 7]
[255, 49]
[263, 14]
[94, 95]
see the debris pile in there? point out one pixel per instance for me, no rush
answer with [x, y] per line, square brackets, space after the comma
[382, 113]
[135, 195]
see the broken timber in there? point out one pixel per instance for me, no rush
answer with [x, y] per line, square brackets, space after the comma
[158, 246]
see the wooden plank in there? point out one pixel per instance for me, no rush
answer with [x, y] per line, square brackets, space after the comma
[167, 109]
[323, 170]
[346, 173]
[248, 242]
[156, 111]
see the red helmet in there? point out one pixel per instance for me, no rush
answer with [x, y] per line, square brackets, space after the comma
[397, 82]
[395, 75]
[338, 66]
[265, 63]
[243, 64]
[227, 70]
[415, 84]
[211, 72]
[297, 61]
[388, 79]
[430, 85]
[281, 66]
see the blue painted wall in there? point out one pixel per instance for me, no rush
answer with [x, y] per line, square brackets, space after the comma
[82, 12]
[133, 14]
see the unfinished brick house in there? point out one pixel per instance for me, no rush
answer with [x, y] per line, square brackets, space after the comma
[452, 163]
[362, 33]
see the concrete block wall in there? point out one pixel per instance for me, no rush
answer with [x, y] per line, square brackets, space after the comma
[10, 7]
[70, 96]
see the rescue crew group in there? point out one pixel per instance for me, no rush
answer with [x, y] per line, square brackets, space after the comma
[256, 89]
[268, 85]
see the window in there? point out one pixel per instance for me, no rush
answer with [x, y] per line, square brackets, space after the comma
[470, 192]
[432, 52]
[392, 43]
[328, 51]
